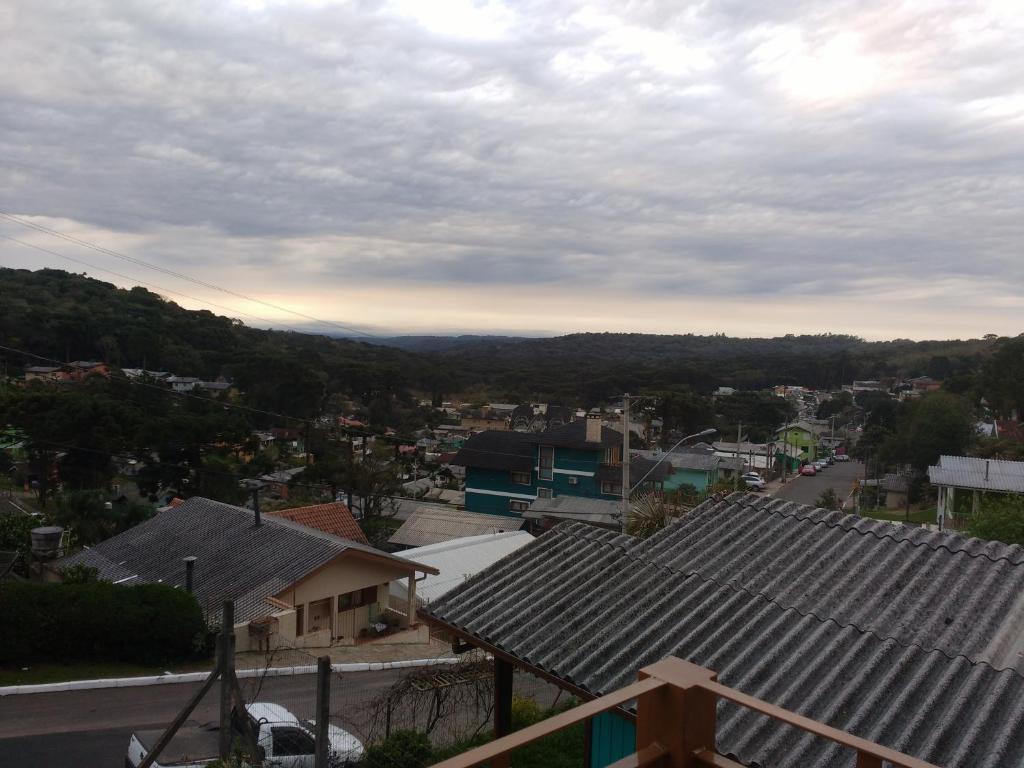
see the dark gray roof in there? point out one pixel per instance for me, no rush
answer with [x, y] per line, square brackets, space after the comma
[699, 462]
[879, 630]
[639, 469]
[234, 559]
[497, 450]
[574, 435]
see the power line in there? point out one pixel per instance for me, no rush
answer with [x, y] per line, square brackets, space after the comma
[143, 282]
[173, 273]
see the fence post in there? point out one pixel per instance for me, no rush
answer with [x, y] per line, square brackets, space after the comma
[226, 663]
[680, 716]
[323, 710]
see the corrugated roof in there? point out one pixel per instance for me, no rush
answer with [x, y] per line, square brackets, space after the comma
[980, 474]
[458, 560]
[334, 518]
[868, 627]
[234, 559]
[431, 525]
[589, 510]
[699, 462]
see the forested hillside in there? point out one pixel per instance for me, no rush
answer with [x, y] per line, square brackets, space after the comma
[67, 317]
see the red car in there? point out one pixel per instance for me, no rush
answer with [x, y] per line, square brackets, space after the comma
[808, 469]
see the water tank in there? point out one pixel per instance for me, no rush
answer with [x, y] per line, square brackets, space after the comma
[46, 541]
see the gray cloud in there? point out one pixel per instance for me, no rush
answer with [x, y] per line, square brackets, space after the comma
[705, 149]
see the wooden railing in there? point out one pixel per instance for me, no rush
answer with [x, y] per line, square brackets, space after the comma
[675, 724]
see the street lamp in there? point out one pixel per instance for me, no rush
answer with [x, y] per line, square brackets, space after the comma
[705, 433]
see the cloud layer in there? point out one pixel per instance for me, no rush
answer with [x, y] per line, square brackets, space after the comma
[394, 163]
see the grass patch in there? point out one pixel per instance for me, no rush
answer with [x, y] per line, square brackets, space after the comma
[899, 516]
[35, 674]
[559, 750]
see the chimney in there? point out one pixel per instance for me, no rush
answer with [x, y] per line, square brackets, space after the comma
[190, 567]
[593, 428]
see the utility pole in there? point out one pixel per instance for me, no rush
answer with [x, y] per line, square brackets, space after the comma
[625, 458]
[736, 472]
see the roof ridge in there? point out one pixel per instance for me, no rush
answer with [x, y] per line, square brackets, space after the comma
[773, 601]
[772, 509]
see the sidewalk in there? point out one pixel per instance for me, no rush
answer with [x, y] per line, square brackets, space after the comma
[352, 654]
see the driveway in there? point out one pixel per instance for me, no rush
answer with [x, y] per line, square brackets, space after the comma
[840, 477]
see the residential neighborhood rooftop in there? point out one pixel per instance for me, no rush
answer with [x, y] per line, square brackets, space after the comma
[335, 519]
[430, 525]
[235, 559]
[979, 474]
[905, 637]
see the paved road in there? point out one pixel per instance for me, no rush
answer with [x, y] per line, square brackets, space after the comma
[839, 477]
[90, 729]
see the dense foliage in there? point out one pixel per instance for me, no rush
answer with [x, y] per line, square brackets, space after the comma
[1000, 518]
[98, 621]
[68, 316]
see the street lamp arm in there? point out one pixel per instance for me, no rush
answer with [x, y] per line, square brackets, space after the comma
[705, 433]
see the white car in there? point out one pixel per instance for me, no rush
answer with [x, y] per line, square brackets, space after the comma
[283, 740]
[753, 483]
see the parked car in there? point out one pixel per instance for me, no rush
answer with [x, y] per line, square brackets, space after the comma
[752, 476]
[754, 483]
[808, 469]
[842, 457]
[820, 464]
[282, 739]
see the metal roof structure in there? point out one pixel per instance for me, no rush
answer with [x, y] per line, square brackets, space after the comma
[235, 559]
[458, 560]
[978, 474]
[433, 525]
[587, 510]
[902, 636]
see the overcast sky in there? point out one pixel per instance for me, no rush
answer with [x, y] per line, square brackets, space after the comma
[736, 166]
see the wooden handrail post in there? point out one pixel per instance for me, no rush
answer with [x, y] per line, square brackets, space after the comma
[503, 682]
[680, 717]
[226, 663]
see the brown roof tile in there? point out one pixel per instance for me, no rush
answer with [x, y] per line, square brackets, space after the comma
[335, 519]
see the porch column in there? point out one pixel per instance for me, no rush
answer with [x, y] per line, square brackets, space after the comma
[410, 596]
[334, 617]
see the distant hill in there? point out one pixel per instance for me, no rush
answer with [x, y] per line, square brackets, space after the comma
[440, 343]
[68, 316]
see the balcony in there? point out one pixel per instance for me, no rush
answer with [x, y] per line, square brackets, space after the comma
[675, 724]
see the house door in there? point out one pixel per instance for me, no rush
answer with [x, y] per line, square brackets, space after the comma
[319, 615]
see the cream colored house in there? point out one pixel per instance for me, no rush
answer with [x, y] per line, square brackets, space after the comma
[293, 586]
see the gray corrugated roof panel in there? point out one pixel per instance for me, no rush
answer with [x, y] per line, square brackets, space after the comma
[602, 511]
[234, 559]
[980, 474]
[938, 589]
[592, 607]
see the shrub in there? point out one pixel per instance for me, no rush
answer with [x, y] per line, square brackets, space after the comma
[145, 623]
[525, 712]
[408, 749]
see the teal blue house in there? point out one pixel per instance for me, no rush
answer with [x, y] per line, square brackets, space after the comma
[506, 471]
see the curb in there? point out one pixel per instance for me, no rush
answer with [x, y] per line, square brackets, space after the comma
[196, 677]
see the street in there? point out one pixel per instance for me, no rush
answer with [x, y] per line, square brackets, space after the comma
[840, 477]
[90, 729]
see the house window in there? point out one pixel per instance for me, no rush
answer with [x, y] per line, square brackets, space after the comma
[357, 599]
[300, 619]
[521, 478]
[611, 488]
[515, 505]
[543, 493]
[547, 462]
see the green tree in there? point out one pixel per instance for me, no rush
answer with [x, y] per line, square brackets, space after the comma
[999, 519]
[1003, 376]
[936, 424]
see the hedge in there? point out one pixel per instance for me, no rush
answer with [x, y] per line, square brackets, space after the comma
[145, 623]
